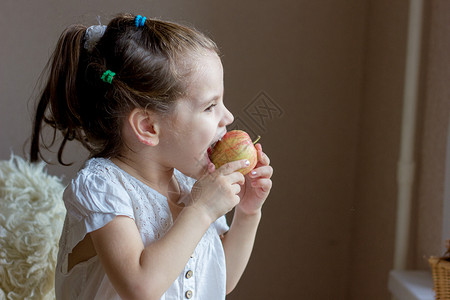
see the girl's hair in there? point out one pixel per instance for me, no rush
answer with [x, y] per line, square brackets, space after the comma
[148, 64]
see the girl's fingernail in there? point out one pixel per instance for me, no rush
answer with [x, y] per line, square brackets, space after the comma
[247, 163]
[253, 173]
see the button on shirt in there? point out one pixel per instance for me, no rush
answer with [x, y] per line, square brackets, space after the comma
[100, 192]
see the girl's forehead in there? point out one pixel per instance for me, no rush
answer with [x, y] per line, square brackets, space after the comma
[200, 64]
[205, 77]
[203, 82]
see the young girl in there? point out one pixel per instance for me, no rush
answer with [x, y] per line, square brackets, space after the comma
[145, 216]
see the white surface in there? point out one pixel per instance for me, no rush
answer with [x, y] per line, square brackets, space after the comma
[411, 285]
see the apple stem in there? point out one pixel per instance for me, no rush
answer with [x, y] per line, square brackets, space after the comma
[257, 139]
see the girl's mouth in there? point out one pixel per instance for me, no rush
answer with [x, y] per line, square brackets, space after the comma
[209, 150]
[211, 147]
[207, 157]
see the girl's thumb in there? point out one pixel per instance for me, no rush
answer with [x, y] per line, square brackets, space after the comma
[211, 167]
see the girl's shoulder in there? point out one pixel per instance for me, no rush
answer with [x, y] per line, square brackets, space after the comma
[100, 172]
[97, 185]
[98, 168]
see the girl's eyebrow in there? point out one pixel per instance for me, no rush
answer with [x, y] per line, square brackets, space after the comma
[210, 100]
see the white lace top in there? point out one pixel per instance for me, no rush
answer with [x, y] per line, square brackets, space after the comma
[100, 192]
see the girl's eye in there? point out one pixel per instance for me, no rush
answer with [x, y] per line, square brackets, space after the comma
[210, 107]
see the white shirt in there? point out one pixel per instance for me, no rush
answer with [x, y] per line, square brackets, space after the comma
[100, 192]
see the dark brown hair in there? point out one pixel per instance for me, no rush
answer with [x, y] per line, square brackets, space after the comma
[82, 107]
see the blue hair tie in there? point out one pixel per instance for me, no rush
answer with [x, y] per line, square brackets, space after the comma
[139, 21]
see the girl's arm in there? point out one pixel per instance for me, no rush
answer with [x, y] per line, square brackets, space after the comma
[139, 272]
[238, 244]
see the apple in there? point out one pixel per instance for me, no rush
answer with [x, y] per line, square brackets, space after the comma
[234, 145]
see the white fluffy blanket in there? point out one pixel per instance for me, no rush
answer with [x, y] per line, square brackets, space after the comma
[31, 218]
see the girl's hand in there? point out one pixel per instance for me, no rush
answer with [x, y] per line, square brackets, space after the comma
[257, 185]
[216, 193]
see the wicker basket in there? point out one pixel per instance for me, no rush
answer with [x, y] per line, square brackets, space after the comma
[441, 277]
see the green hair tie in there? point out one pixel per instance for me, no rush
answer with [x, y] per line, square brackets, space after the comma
[108, 76]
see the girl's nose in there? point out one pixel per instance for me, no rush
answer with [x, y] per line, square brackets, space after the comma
[227, 118]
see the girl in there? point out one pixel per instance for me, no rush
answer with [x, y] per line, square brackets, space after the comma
[145, 216]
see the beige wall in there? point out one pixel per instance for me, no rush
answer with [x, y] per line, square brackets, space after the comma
[335, 68]
[380, 120]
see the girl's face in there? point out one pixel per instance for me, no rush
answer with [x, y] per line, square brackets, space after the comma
[199, 119]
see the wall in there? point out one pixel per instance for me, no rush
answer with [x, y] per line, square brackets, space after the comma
[307, 55]
[376, 193]
[332, 69]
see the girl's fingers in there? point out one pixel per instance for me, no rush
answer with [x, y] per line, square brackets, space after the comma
[264, 183]
[236, 178]
[233, 166]
[263, 159]
[263, 171]
[211, 167]
[236, 188]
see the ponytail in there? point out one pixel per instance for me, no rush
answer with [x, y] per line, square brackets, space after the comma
[60, 92]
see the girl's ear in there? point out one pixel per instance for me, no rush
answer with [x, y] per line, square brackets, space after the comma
[145, 126]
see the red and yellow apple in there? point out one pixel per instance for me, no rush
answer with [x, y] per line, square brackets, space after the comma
[234, 145]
